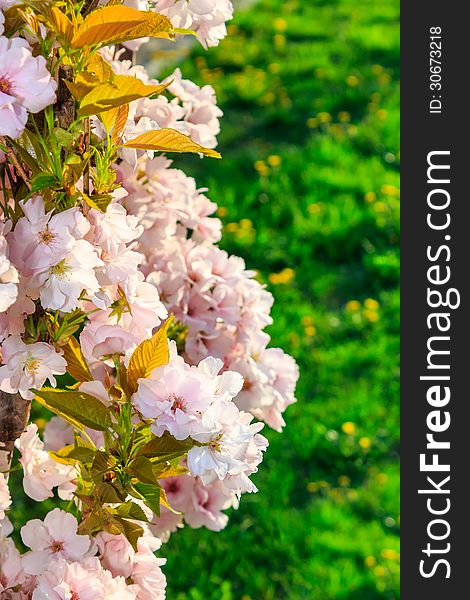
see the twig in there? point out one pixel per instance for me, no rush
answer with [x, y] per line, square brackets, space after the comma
[86, 172]
[10, 153]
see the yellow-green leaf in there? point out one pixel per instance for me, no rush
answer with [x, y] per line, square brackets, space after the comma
[76, 363]
[150, 494]
[77, 408]
[122, 89]
[165, 447]
[168, 140]
[148, 355]
[117, 24]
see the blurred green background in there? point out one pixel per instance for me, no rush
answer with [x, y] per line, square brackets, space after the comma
[309, 195]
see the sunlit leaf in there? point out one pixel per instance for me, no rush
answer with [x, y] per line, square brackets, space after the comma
[117, 24]
[165, 447]
[106, 492]
[121, 90]
[142, 468]
[149, 355]
[76, 363]
[150, 494]
[131, 510]
[59, 23]
[168, 140]
[79, 409]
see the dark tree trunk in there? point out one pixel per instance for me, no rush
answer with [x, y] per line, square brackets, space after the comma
[14, 416]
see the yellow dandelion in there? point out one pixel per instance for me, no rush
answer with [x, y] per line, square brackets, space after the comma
[353, 306]
[310, 331]
[274, 160]
[312, 123]
[371, 315]
[371, 304]
[370, 561]
[280, 24]
[222, 211]
[349, 428]
[312, 487]
[352, 80]
[365, 443]
[314, 208]
[370, 197]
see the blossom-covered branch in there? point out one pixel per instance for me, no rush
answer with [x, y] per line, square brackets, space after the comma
[120, 315]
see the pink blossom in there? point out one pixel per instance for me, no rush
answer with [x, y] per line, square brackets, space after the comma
[175, 400]
[55, 537]
[40, 472]
[67, 581]
[57, 434]
[205, 505]
[117, 555]
[5, 498]
[11, 568]
[28, 366]
[146, 572]
[62, 286]
[8, 274]
[25, 84]
[41, 240]
[206, 17]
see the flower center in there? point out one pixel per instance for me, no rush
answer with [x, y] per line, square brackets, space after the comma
[60, 270]
[178, 402]
[5, 85]
[215, 444]
[32, 364]
[74, 596]
[46, 236]
[57, 546]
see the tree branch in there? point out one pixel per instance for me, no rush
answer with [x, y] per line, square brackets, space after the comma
[14, 416]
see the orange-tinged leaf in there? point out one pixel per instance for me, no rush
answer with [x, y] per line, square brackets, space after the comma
[117, 24]
[148, 355]
[121, 90]
[168, 140]
[76, 363]
[120, 122]
[59, 22]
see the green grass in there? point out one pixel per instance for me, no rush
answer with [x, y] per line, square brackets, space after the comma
[316, 84]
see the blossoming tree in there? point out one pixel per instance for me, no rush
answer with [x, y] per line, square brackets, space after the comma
[119, 313]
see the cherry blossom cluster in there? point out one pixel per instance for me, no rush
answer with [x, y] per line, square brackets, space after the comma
[102, 250]
[61, 564]
[206, 18]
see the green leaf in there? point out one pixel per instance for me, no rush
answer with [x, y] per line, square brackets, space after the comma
[92, 522]
[79, 409]
[130, 510]
[150, 494]
[130, 529]
[98, 201]
[41, 181]
[106, 492]
[142, 468]
[102, 463]
[165, 447]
